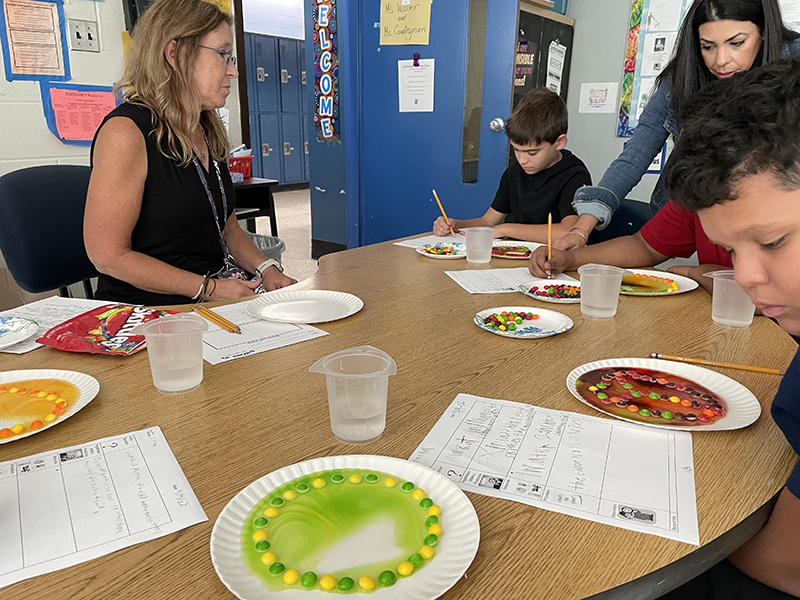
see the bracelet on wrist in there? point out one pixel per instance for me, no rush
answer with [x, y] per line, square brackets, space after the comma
[270, 262]
[202, 291]
[580, 233]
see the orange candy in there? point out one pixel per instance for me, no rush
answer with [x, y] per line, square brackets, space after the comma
[5, 432]
[36, 424]
[633, 408]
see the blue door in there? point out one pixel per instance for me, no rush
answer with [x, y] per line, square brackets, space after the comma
[402, 156]
[290, 75]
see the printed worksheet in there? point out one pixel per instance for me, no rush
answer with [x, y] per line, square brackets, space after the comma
[604, 470]
[494, 281]
[431, 239]
[257, 335]
[68, 506]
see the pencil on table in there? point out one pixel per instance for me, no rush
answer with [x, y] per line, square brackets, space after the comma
[713, 363]
[441, 208]
[549, 236]
[217, 319]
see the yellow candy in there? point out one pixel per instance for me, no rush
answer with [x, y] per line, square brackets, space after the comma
[13, 390]
[268, 558]
[49, 417]
[434, 511]
[405, 568]
[390, 482]
[291, 576]
[366, 583]
[41, 394]
[52, 396]
[354, 478]
[318, 483]
[418, 494]
[328, 582]
[259, 534]
[435, 529]
[593, 388]
[271, 511]
[18, 428]
[674, 399]
[427, 551]
[290, 494]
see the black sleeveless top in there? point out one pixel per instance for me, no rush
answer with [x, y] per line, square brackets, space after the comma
[176, 223]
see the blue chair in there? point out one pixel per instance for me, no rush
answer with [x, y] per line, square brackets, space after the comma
[627, 220]
[41, 227]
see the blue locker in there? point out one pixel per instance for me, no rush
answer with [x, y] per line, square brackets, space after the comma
[252, 125]
[291, 148]
[269, 149]
[306, 169]
[290, 75]
[301, 60]
[266, 75]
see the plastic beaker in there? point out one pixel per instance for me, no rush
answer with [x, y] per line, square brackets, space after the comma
[600, 290]
[358, 383]
[175, 350]
[730, 304]
[479, 244]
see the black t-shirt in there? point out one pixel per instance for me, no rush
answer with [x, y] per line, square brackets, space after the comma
[786, 412]
[176, 223]
[529, 198]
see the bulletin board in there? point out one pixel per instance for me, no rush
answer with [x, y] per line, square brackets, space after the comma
[652, 30]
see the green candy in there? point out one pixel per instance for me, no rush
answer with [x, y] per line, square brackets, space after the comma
[276, 568]
[372, 478]
[636, 394]
[602, 396]
[644, 412]
[387, 578]
[667, 415]
[416, 559]
[654, 396]
[337, 478]
[302, 488]
[345, 584]
[432, 520]
[276, 502]
[407, 486]
[628, 386]
[262, 546]
[426, 503]
[602, 385]
[511, 327]
[260, 522]
[430, 540]
[308, 579]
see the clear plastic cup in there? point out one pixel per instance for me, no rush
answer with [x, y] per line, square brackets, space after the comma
[358, 384]
[730, 304]
[479, 244]
[600, 290]
[175, 350]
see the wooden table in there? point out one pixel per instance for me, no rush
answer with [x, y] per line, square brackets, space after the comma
[257, 414]
[254, 199]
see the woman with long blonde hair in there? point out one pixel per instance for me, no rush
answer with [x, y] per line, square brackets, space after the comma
[160, 224]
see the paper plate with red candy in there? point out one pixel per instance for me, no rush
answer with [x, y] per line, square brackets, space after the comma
[511, 249]
[662, 393]
[655, 283]
[558, 292]
[522, 322]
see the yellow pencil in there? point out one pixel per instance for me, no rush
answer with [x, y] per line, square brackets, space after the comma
[549, 236]
[217, 319]
[713, 363]
[441, 208]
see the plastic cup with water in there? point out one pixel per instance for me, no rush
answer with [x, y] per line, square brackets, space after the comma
[175, 350]
[600, 290]
[358, 383]
[730, 304]
[479, 244]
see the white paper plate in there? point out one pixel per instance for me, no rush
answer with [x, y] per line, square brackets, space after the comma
[525, 289]
[87, 385]
[685, 284]
[454, 553]
[304, 306]
[510, 244]
[15, 329]
[549, 322]
[460, 248]
[743, 406]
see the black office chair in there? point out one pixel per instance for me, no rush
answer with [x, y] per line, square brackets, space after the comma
[41, 227]
[627, 220]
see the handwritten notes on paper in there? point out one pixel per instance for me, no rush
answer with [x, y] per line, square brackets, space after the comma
[603, 470]
[405, 22]
[67, 506]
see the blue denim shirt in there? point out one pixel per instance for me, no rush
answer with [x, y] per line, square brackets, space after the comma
[656, 124]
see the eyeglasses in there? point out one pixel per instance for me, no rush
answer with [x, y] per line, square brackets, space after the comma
[226, 54]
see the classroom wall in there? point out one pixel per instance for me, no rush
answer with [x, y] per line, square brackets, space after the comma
[281, 18]
[598, 54]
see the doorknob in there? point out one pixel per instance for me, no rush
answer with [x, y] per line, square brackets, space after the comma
[497, 124]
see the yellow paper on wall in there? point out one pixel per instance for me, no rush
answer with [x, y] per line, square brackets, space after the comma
[405, 22]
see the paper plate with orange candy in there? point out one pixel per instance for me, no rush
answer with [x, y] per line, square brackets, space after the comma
[642, 282]
[36, 399]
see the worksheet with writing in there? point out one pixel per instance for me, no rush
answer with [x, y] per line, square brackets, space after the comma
[493, 281]
[67, 506]
[603, 470]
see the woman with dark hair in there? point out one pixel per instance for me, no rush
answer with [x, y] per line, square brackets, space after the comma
[160, 224]
[718, 38]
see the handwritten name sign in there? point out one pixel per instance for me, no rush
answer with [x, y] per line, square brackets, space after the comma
[405, 22]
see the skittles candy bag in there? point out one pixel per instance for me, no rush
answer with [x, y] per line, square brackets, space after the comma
[103, 330]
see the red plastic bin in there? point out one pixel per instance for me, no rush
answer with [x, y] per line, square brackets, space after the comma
[241, 164]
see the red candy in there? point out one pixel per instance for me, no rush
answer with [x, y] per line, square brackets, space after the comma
[557, 291]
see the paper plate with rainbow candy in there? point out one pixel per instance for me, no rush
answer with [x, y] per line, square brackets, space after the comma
[444, 250]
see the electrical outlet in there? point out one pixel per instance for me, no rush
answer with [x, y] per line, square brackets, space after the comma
[83, 35]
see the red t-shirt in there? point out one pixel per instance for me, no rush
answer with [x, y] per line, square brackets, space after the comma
[676, 232]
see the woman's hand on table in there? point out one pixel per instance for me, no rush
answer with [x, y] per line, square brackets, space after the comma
[539, 266]
[273, 279]
[571, 241]
[228, 289]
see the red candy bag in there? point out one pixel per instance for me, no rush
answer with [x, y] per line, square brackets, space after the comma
[103, 330]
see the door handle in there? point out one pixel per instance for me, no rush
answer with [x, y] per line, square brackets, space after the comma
[285, 77]
[265, 149]
[303, 77]
[287, 148]
[261, 75]
[497, 124]
[305, 147]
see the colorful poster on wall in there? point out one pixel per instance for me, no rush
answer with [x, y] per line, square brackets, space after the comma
[405, 22]
[74, 112]
[326, 71]
[34, 40]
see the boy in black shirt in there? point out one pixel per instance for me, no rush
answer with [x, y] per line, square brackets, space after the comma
[542, 180]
